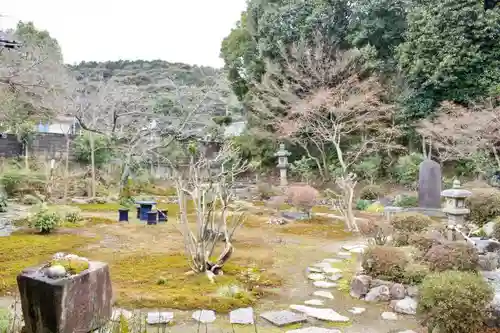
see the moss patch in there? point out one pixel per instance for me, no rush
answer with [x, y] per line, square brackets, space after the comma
[318, 226]
[135, 279]
[20, 251]
[73, 266]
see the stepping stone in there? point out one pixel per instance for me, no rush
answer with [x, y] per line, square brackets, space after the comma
[117, 313]
[204, 316]
[344, 255]
[317, 302]
[155, 318]
[318, 313]
[316, 276]
[358, 250]
[357, 310]
[335, 277]
[323, 293]
[314, 329]
[389, 316]
[332, 260]
[331, 270]
[355, 248]
[321, 265]
[324, 284]
[243, 316]
[314, 270]
[282, 318]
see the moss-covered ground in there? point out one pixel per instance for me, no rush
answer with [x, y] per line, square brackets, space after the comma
[148, 266]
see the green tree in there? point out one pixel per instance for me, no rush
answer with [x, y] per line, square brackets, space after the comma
[451, 52]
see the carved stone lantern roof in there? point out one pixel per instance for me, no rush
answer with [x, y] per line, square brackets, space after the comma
[456, 191]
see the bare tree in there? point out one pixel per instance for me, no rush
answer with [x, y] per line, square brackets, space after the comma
[459, 133]
[325, 103]
[209, 184]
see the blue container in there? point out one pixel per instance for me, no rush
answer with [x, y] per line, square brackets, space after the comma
[163, 215]
[152, 218]
[123, 215]
[145, 208]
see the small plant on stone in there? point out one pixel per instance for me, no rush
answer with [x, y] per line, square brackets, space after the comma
[452, 256]
[385, 262]
[250, 278]
[45, 221]
[454, 302]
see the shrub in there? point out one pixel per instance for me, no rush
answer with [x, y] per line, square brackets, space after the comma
[415, 273]
[406, 201]
[484, 205]
[424, 242]
[455, 256]
[21, 181]
[385, 262]
[362, 204]
[371, 192]
[496, 229]
[407, 168]
[3, 202]
[72, 217]
[276, 202]
[454, 302]
[302, 197]
[265, 191]
[410, 222]
[45, 221]
[375, 230]
[375, 208]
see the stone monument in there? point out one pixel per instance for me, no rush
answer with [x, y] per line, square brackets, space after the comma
[282, 155]
[429, 185]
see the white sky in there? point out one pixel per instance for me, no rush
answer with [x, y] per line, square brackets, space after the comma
[188, 31]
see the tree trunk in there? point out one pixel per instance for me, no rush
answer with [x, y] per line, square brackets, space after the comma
[66, 169]
[92, 163]
[26, 156]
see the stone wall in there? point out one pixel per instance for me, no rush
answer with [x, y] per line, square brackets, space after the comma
[51, 145]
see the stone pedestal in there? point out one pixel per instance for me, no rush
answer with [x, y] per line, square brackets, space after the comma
[79, 303]
[282, 155]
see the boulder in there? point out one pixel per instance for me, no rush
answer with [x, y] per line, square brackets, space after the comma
[377, 294]
[78, 303]
[412, 291]
[488, 228]
[407, 305]
[398, 291]
[360, 285]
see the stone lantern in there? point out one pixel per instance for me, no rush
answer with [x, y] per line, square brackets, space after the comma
[455, 208]
[282, 155]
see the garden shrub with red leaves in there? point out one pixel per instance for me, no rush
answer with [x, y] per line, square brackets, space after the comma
[385, 262]
[452, 256]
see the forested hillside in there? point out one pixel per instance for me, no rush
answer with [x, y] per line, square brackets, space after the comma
[365, 85]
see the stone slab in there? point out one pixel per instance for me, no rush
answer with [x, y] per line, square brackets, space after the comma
[314, 329]
[320, 313]
[324, 284]
[243, 316]
[316, 302]
[284, 317]
[204, 316]
[316, 276]
[79, 303]
[155, 318]
[323, 293]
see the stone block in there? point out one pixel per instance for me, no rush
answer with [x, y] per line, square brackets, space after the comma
[78, 303]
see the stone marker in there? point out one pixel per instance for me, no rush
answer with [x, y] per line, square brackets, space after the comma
[429, 184]
[77, 303]
[314, 329]
[318, 313]
[204, 316]
[243, 316]
[285, 317]
[155, 318]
